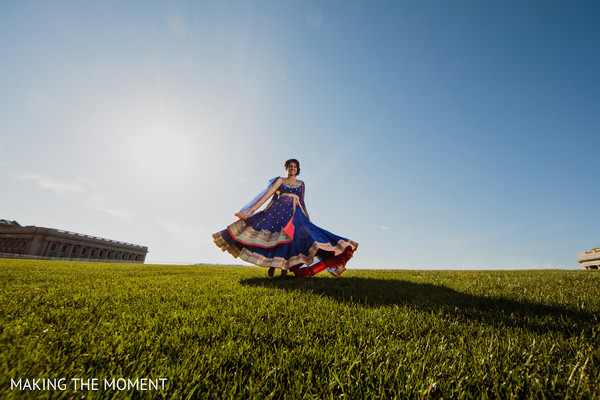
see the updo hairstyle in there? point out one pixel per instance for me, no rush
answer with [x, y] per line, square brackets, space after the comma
[293, 160]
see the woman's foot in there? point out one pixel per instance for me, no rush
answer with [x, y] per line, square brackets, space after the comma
[271, 272]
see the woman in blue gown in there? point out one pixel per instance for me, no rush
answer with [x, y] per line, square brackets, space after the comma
[282, 235]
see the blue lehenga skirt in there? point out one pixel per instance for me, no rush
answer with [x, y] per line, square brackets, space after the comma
[283, 237]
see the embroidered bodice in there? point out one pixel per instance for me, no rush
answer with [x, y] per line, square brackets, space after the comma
[282, 194]
[292, 187]
[290, 193]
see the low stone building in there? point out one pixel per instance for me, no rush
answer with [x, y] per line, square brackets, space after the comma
[590, 259]
[46, 243]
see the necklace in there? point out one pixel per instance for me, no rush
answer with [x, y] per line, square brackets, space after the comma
[292, 184]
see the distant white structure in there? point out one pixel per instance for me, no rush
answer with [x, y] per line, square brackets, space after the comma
[590, 259]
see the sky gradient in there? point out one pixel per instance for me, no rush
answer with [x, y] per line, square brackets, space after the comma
[436, 134]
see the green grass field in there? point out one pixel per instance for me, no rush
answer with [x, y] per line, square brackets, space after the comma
[231, 333]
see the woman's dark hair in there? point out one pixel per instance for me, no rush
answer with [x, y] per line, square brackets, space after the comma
[293, 160]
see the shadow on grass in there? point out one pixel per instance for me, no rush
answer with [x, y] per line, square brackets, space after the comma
[426, 297]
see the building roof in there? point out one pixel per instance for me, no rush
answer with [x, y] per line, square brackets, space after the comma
[9, 223]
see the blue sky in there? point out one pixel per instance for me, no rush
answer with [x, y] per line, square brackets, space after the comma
[437, 134]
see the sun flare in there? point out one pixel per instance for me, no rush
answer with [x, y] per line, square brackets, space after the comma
[163, 155]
